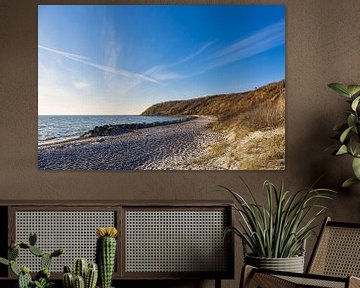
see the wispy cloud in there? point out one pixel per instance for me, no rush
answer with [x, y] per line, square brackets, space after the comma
[63, 53]
[191, 56]
[254, 44]
[84, 60]
[207, 56]
[162, 72]
[261, 41]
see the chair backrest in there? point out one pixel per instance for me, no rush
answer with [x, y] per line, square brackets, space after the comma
[337, 251]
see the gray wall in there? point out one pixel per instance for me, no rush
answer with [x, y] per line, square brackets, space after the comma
[322, 46]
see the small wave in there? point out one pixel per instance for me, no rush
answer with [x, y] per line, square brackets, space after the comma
[58, 140]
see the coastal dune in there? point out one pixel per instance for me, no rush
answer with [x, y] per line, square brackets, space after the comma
[176, 146]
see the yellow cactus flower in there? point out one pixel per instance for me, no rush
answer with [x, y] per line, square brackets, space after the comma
[106, 231]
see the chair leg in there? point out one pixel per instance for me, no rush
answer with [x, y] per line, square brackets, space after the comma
[246, 274]
[217, 283]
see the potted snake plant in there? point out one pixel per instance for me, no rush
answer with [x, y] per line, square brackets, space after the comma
[348, 132]
[274, 234]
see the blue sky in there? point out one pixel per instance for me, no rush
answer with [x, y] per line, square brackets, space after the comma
[120, 59]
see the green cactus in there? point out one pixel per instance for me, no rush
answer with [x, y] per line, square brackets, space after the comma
[91, 276]
[13, 253]
[45, 261]
[68, 280]
[32, 238]
[79, 282]
[57, 252]
[105, 255]
[80, 267]
[24, 245]
[4, 261]
[43, 274]
[14, 268]
[36, 251]
[87, 272]
[24, 280]
[42, 278]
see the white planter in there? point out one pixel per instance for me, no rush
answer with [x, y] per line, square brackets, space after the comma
[291, 264]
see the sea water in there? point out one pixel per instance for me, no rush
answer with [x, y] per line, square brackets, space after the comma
[61, 127]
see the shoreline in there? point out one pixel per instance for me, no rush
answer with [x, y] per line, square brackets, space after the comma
[113, 130]
[173, 146]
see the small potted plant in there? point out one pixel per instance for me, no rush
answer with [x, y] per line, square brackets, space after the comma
[276, 233]
[42, 278]
[348, 132]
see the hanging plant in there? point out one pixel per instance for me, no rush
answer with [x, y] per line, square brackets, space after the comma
[348, 132]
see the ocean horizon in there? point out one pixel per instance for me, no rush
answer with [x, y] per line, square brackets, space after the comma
[57, 127]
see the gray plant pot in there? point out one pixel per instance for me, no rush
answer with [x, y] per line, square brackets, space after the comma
[291, 264]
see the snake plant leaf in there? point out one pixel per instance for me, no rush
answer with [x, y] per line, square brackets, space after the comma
[345, 134]
[342, 150]
[356, 167]
[353, 90]
[349, 182]
[355, 103]
[279, 228]
[340, 88]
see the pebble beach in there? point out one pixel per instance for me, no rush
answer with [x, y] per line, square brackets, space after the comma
[178, 146]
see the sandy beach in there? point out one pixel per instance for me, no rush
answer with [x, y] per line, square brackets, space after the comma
[170, 147]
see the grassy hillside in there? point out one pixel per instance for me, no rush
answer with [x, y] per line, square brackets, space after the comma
[219, 105]
[253, 125]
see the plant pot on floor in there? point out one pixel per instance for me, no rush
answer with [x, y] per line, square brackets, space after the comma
[290, 264]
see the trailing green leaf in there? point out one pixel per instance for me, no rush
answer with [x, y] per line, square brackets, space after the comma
[342, 150]
[345, 134]
[356, 167]
[355, 103]
[340, 88]
[349, 182]
[350, 131]
[353, 90]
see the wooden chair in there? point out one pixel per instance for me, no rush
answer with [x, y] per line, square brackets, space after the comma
[335, 262]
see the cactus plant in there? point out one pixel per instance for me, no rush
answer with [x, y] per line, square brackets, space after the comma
[42, 278]
[80, 268]
[84, 274]
[68, 280]
[91, 276]
[45, 261]
[24, 280]
[79, 282]
[106, 254]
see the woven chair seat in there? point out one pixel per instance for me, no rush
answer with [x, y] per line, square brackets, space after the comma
[313, 282]
[335, 262]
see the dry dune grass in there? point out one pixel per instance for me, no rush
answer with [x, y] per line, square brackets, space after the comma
[258, 137]
[270, 114]
[253, 124]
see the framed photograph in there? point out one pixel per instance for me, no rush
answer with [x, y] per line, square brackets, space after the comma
[161, 87]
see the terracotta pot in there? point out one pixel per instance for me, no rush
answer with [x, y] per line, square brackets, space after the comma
[291, 264]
